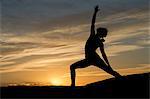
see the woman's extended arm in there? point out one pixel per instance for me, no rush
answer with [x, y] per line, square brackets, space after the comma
[104, 55]
[93, 21]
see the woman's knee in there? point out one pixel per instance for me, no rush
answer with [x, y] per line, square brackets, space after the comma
[72, 67]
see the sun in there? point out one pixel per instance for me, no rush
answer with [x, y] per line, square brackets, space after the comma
[55, 81]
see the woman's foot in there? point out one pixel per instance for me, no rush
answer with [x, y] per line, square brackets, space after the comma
[73, 85]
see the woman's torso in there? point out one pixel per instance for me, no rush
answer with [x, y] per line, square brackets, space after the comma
[91, 45]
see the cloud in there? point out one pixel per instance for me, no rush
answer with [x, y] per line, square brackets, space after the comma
[45, 11]
[116, 49]
[65, 43]
[43, 57]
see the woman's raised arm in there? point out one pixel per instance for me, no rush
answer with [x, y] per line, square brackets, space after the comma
[93, 21]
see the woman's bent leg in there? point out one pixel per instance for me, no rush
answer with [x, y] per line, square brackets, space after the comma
[80, 64]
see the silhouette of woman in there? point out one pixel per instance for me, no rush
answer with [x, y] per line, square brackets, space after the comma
[91, 57]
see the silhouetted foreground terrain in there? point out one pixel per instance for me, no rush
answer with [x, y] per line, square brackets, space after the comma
[136, 85]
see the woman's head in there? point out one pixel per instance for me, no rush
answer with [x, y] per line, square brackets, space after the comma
[102, 32]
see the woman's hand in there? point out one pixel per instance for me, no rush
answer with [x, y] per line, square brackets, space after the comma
[97, 8]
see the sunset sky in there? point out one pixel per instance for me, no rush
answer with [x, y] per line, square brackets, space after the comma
[40, 39]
